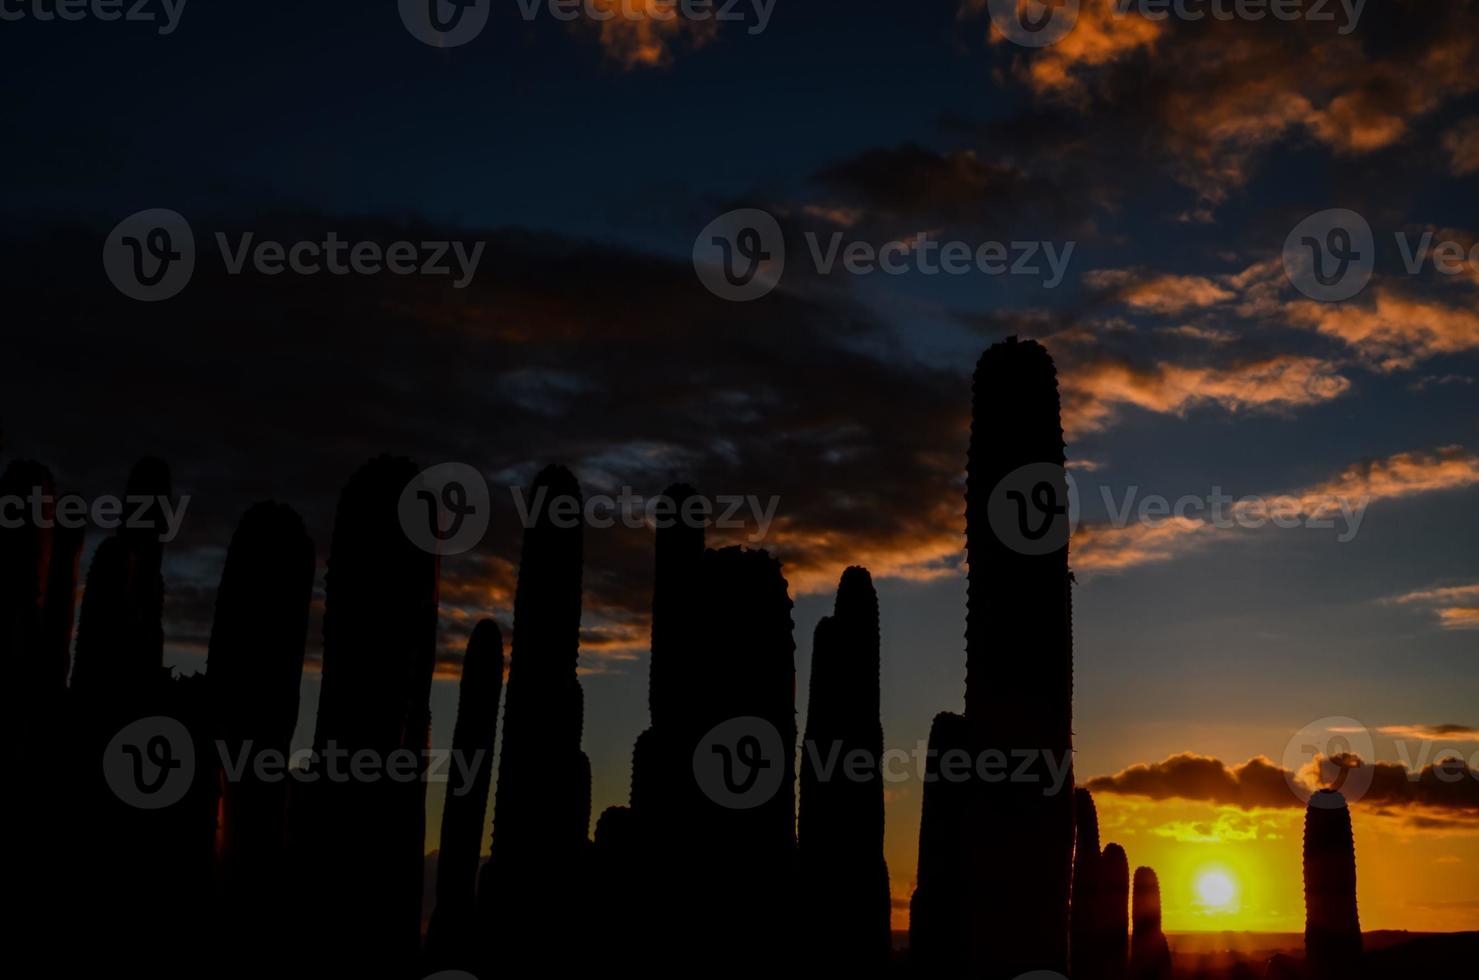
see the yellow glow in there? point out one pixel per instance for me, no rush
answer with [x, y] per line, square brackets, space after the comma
[1216, 890]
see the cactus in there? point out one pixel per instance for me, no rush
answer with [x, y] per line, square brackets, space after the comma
[1332, 930]
[120, 632]
[25, 575]
[1019, 667]
[1150, 955]
[364, 841]
[938, 923]
[1114, 912]
[840, 830]
[253, 672]
[747, 856]
[450, 936]
[542, 807]
[1084, 908]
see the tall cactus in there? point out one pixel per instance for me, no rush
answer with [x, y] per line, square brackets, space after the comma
[253, 673]
[1150, 954]
[746, 859]
[939, 926]
[542, 805]
[120, 631]
[1084, 909]
[840, 830]
[464, 814]
[1019, 658]
[1114, 905]
[1332, 929]
[365, 840]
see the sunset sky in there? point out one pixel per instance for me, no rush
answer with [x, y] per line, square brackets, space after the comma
[1174, 157]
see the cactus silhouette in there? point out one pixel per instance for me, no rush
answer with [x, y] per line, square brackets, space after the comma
[450, 936]
[1114, 918]
[364, 840]
[1019, 659]
[120, 630]
[840, 827]
[745, 857]
[1332, 926]
[1084, 909]
[1150, 955]
[542, 806]
[938, 911]
[253, 673]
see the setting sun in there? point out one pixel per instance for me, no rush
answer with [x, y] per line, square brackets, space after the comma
[1216, 890]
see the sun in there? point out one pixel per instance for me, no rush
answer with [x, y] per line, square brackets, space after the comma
[1216, 889]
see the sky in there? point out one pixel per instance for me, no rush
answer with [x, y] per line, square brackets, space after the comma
[1168, 160]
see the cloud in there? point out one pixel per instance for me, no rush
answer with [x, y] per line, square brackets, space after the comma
[1162, 294]
[1429, 733]
[1394, 331]
[1095, 390]
[1461, 143]
[647, 33]
[1456, 606]
[1102, 547]
[1445, 793]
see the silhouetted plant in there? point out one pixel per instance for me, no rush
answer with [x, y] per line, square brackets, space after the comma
[1114, 903]
[747, 860]
[1019, 665]
[254, 671]
[365, 840]
[1332, 929]
[451, 933]
[938, 911]
[1150, 954]
[840, 830]
[542, 806]
[1084, 908]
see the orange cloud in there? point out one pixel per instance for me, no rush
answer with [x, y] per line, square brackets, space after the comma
[1395, 332]
[1461, 143]
[1456, 606]
[1105, 548]
[647, 33]
[1165, 294]
[1093, 392]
